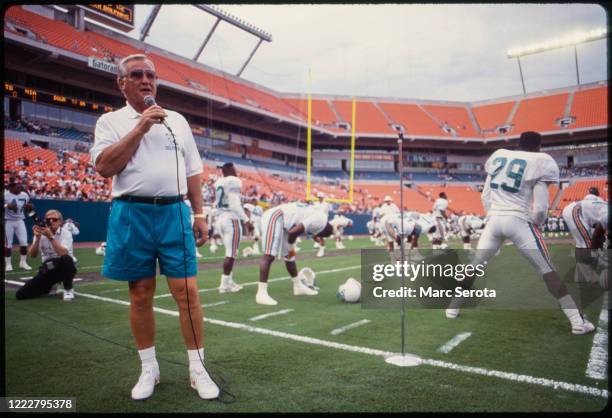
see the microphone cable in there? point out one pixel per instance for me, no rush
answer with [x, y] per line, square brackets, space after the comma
[222, 390]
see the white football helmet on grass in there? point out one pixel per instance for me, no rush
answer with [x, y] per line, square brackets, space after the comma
[349, 291]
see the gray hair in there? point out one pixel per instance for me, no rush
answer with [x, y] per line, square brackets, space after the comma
[123, 63]
[57, 213]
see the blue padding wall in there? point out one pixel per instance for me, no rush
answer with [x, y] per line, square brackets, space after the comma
[92, 217]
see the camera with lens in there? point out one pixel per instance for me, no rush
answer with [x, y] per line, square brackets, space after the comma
[39, 222]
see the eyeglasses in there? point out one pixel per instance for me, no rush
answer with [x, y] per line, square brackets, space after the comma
[139, 74]
[51, 219]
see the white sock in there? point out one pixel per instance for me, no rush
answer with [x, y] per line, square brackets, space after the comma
[7, 261]
[147, 356]
[195, 364]
[22, 258]
[569, 308]
[262, 288]
[226, 279]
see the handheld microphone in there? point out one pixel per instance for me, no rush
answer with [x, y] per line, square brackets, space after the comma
[150, 101]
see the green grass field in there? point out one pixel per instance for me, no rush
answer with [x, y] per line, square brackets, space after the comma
[514, 360]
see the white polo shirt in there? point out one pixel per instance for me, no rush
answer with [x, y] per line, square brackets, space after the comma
[152, 169]
[64, 237]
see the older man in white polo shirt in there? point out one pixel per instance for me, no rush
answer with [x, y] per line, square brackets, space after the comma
[151, 155]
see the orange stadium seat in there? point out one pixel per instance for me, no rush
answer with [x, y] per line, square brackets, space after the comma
[54, 32]
[540, 114]
[322, 114]
[368, 119]
[590, 107]
[456, 117]
[492, 115]
[460, 197]
[414, 120]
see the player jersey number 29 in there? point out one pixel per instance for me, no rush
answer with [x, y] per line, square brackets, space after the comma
[514, 172]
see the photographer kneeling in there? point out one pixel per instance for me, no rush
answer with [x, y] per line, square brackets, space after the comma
[55, 244]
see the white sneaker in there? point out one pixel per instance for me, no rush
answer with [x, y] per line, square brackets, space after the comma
[8, 267]
[24, 266]
[149, 377]
[68, 295]
[452, 313]
[198, 255]
[321, 252]
[299, 289]
[264, 299]
[583, 328]
[232, 287]
[201, 381]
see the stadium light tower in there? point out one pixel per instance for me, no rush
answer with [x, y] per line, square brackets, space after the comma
[220, 15]
[569, 40]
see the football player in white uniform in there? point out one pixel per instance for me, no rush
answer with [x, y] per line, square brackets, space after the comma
[255, 213]
[281, 225]
[16, 201]
[440, 214]
[71, 226]
[339, 222]
[376, 230]
[587, 222]
[322, 205]
[468, 224]
[231, 213]
[515, 196]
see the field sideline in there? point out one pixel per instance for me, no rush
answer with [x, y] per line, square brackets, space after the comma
[305, 354]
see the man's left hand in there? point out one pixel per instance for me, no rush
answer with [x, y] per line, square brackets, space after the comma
[200, 231]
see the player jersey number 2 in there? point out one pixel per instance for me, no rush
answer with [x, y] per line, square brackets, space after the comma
[220, 196]
[514, 173]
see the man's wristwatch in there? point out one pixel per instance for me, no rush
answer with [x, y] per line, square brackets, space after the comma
[199, 216]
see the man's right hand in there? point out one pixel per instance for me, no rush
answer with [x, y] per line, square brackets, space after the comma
[37, 230]
[150, 117]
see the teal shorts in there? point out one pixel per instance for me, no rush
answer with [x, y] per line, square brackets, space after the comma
[139, 234]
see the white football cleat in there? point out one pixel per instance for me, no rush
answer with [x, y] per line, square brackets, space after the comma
[255, 251]
[452, 313]
[264, 299]
[53, 290]
[149, 377]
[583, 328]
[321, 252]
[198, 255]
[232, 287]
[8, 267]
[213, 248]
[68, 295]
[24, 266]
[300, 289]
[201, 381]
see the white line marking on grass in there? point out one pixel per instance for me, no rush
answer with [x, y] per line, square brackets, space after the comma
[454, 342]
[77, 279]
[598, 359]
[208, 305]
[349, 326]
[165, 295]
[521, 378]
[264, 316]
[26, 278]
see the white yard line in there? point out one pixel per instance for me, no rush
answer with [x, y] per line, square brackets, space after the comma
[598, 359]
[349, 326]
[454, 342]
[165, 295]
[264, 316]
[514, 377]
[208, 305]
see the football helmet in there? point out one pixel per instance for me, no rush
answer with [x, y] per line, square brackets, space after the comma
[349, 291]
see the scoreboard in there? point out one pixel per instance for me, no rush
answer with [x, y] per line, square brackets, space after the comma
[12, 90]
[119, 16]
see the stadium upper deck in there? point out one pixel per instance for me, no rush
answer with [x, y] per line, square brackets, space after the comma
[557, 114]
